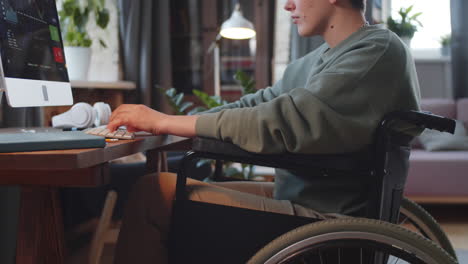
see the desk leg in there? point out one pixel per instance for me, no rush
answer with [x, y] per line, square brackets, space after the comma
[40, 228]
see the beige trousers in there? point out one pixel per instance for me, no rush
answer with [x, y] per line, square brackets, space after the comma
[145, 229]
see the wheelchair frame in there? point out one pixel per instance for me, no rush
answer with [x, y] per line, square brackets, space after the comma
[385, 162]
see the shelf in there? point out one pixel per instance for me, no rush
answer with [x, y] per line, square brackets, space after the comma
[237, 58]
[440, 59]
[185, 36]
[231, 87]
[120, 85]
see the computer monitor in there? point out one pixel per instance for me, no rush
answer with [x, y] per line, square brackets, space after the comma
[33, 70]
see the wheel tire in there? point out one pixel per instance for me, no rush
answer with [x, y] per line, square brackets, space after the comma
[426, 224]
[336, 230]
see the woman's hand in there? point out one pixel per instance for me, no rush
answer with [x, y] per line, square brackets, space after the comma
[143, 118]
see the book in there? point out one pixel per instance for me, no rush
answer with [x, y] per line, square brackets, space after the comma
[27, 141]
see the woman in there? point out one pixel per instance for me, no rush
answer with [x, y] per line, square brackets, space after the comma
[329, 101]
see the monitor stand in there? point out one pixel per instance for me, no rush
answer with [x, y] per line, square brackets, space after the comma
[19, 117]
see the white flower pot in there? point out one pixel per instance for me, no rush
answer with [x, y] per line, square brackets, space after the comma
[78, 60]
[407, 41]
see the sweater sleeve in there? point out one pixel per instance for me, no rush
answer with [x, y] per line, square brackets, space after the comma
[337, 111]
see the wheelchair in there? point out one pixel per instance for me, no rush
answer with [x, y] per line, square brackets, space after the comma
[210, 233]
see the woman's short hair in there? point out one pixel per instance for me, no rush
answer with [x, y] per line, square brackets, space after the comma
[360, 4]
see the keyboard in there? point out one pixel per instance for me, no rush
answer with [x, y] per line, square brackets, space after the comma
[102, 131]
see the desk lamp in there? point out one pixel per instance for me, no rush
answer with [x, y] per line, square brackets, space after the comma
[236, 27]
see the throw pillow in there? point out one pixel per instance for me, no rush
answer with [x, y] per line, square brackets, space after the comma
[433, 140]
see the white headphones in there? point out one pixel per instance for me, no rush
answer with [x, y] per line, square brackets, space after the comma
[83, 115]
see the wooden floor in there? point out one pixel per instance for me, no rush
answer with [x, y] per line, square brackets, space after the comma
[453, 219]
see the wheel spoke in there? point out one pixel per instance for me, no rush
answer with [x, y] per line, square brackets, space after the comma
[404, 221]
[368, 241]
[360, 255]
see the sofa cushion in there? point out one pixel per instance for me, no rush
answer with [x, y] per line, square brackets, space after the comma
[440, 106]
[437, 173]
[433, 140]
[462, 111]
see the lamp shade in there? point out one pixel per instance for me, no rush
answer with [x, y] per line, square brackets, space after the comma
[237, 27]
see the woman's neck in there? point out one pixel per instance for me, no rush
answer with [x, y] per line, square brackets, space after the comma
[341, 26]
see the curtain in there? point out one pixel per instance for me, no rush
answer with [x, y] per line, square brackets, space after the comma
[145, 47]
[459, 20]
[300, 46]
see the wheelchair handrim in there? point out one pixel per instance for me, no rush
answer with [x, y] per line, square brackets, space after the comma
[303, 245]
[419, 225]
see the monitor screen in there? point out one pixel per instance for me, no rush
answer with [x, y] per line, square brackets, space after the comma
[31, 40]
[33, 68]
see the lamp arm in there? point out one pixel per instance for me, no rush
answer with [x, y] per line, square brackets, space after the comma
[214, 44]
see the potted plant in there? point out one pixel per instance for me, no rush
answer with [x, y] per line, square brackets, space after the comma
[74, 18]
[406, 25]
[445, 42]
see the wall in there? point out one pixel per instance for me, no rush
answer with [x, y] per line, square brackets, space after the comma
[435, 77]
[282, 38]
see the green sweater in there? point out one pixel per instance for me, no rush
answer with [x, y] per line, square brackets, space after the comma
[329, 101]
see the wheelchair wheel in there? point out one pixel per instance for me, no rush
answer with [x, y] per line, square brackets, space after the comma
[351, 240]
[415, 218]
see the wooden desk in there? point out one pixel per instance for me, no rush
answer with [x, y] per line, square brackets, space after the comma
[41, 173]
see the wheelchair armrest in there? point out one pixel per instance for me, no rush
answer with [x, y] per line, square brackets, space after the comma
[422, 119]
[318, 164]
[220, 150]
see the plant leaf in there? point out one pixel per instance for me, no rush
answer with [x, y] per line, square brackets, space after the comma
[103, 44]
[68, 7]
[202, 162]
[102, 18]
[178, 99]
[233, 172]
[207, 100]
[247, 83]
[196, 110]
[185, 106]
[408, 10]
[171, 92]
[87, 42]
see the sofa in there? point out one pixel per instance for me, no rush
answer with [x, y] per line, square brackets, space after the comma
[441, 176]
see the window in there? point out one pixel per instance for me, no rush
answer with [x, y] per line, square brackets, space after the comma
[194, 26]
[435, 19]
